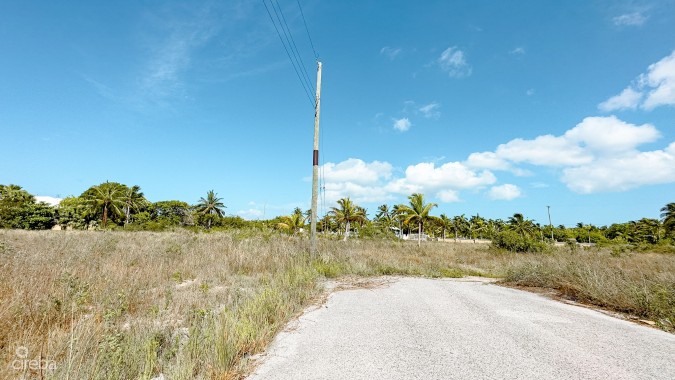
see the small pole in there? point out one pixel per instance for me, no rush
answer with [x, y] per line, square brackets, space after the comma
[549, 221]
[315, 163]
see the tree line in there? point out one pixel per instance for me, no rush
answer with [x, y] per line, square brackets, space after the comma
[112, 205]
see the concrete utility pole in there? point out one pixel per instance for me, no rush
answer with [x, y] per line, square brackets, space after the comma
[315, 163]
[549, 221]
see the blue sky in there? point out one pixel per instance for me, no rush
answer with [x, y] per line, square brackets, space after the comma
[486, 107]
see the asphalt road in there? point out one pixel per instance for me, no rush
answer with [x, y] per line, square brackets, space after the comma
[451, 329]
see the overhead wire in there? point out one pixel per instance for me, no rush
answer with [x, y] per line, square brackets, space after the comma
[293, 63]
[294, 47]
[316, 55]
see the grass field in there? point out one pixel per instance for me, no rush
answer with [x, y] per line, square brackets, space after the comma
[132, 305]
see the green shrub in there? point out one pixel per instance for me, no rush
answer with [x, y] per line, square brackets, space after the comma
[514, 242]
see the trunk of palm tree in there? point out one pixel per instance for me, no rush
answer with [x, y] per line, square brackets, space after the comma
[419, 233]
[127, 211]
[346, 231]
[209, 224]
[105, 215]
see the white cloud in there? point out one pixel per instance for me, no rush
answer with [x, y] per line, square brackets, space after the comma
[660, 78]
[374, 182]
[448, 196]
[627, 99]
[402, 125]
[623, 173]
[390, 52]
[529, 92]
[504, 192]
[355, 178]
[630, 19]
[652, 89]
[357, 171]
[430, 111]
[454, 62]
[598, 154]
[47, 199]
[518, 51]
[609, 134]
[426, 177]
[487, 160]
[547, 150]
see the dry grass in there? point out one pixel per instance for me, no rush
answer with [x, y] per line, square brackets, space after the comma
[116, 305]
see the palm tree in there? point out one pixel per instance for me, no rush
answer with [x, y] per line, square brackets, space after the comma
[668, 217]
[417, 212]
[133, 200]
[348, 212]
[398, 216]
[445, 223]
[107, 196]
[211, 205]
[519, 224]
[293, 223]
[384, 218]
[491, 229]
[459, 225]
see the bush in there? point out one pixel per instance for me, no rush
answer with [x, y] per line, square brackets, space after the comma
[514, 242]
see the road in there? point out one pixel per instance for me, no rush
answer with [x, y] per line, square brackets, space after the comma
[417, 328]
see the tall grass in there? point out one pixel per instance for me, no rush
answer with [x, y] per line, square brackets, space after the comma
[133, 305]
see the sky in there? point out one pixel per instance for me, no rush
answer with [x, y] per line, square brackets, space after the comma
[485, 107]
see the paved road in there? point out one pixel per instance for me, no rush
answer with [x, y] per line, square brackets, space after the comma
[449, 329]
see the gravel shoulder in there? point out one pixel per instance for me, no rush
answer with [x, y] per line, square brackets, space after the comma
[415, 328]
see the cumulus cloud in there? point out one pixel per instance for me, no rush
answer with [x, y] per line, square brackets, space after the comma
[357, 171]
[504, 192]
[390, 52]
[448, 196]
[487, 160]
[652, 89]
[630, 19]
[518, 51]
[374, 181]
[598, 154]
[547, 150]
[402, 125]
[627, 99]
[427, 175]
[623, 173]
[357, 179]
[609, 134]
[454, 62]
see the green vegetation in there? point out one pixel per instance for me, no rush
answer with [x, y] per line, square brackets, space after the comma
[112, 205]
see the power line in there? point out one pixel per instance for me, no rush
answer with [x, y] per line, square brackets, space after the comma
[304, 87]
[294, 47]
[307, 29]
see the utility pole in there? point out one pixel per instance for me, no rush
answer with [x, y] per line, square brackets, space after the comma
[549, 221]
[315, 163]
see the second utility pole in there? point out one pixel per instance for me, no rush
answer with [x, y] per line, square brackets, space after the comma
[315, 164]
